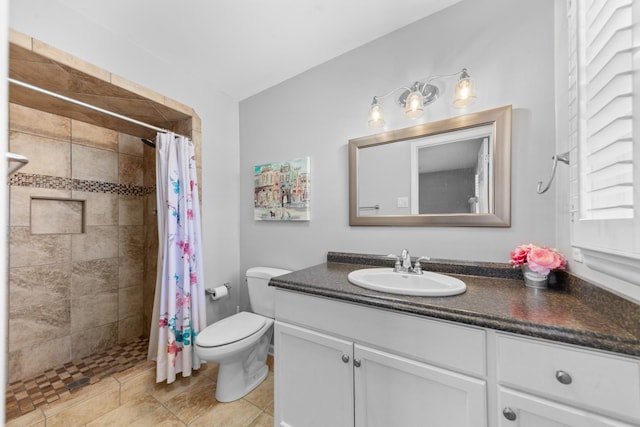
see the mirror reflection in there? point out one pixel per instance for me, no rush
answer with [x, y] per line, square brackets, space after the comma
[451, 172]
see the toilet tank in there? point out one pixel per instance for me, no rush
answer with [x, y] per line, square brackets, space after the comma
[261, 295]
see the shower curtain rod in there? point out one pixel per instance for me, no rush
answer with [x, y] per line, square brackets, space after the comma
[91, 107]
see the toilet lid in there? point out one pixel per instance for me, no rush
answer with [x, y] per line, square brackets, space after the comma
[231, 329]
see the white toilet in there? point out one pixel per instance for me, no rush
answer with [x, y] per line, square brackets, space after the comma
[240, 343]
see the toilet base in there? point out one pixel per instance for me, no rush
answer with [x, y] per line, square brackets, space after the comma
[236, 390]
[239, 375]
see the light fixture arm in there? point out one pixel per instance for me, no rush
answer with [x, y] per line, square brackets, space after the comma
[378, 97]
[429, 79]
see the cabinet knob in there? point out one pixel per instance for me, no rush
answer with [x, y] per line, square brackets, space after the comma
[509, 414]
[345, 358]
[356, 363]
[563, 377]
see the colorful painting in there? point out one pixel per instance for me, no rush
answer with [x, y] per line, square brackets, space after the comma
[281, 191]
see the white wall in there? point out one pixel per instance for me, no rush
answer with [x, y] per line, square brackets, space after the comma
[508, 47]
[63, 28]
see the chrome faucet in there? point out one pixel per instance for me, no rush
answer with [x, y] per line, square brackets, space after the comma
[403, 263]
[406, 261]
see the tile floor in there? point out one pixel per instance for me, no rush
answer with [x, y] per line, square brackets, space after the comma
[25, 396]
[132, 398]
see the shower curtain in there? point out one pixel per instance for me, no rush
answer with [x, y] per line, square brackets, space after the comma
[178, 309]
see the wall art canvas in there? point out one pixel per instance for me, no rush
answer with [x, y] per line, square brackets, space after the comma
[281, 191]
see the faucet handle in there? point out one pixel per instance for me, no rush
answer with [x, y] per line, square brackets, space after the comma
[417, 267]
[398, 263]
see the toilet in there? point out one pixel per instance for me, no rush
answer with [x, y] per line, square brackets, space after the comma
[240, 343]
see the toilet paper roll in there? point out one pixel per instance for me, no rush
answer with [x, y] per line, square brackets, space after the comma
[219, 292]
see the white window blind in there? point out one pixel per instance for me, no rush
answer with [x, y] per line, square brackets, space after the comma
[604, 64]
[604, 108]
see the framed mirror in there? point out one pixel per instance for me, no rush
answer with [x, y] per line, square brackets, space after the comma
[454, 172]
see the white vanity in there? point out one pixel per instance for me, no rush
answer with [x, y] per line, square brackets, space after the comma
[349, 363]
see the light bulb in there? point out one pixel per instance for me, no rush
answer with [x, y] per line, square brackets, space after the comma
[465, 92]
[376, 115]
[414, 105]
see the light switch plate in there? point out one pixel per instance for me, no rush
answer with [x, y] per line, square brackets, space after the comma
[403, 202]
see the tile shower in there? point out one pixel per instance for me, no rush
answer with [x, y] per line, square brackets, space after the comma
[82, 240]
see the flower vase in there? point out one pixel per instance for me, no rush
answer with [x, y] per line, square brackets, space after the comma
[533, 279]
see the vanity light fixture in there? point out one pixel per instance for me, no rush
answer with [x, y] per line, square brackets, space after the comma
[413, 99]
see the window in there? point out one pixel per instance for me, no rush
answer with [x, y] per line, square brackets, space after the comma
[604, 131]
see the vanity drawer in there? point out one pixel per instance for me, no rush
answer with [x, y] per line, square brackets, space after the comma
[597, 381]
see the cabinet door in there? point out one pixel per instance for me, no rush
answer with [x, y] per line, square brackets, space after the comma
[393, 391]
[523, 410]
[313, 379]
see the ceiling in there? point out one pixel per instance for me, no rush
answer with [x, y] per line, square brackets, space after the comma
[245, 46]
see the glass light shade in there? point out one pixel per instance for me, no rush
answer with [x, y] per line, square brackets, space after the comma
[376, 116]
[465, 92]
[414, 105]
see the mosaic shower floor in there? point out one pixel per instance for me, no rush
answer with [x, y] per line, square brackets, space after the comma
[26, 395]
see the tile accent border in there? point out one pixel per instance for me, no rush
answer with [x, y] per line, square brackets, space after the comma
[60, 183]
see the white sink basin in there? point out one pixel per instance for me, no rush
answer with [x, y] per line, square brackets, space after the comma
[425, 284]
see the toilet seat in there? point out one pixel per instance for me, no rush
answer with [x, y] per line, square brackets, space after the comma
[231, 329]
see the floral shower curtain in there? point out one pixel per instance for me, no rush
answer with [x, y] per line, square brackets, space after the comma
[179, 309]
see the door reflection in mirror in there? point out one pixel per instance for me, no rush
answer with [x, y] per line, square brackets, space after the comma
[451, 172]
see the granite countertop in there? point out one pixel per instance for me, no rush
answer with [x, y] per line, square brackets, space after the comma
[495, 298]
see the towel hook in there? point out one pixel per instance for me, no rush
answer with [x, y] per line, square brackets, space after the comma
[564, 158]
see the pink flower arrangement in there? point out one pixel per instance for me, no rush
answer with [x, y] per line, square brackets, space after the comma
[540, 259]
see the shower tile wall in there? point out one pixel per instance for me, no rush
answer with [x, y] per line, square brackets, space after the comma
[75, 293]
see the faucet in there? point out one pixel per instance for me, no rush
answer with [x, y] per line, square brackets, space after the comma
[403, 263]
[406, 261]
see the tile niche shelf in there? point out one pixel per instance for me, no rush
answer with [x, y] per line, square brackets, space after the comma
[57, 216]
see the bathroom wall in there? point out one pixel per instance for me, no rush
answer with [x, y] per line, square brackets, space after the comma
[508, 48]
[77, 246]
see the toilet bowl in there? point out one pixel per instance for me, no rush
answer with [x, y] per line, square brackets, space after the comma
[240, 343]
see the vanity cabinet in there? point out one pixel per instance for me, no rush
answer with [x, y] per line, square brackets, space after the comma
[543, 384]
[343, 364]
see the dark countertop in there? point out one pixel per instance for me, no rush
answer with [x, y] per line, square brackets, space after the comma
[573, 313]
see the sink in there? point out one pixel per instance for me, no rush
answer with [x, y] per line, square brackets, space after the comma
[426, 284]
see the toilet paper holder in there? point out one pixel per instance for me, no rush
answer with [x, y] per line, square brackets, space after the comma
[212, 291]
[216, 293]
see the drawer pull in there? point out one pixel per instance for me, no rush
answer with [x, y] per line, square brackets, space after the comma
[563, 377]
[345, 358]
[356, 363]
[509, 414]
